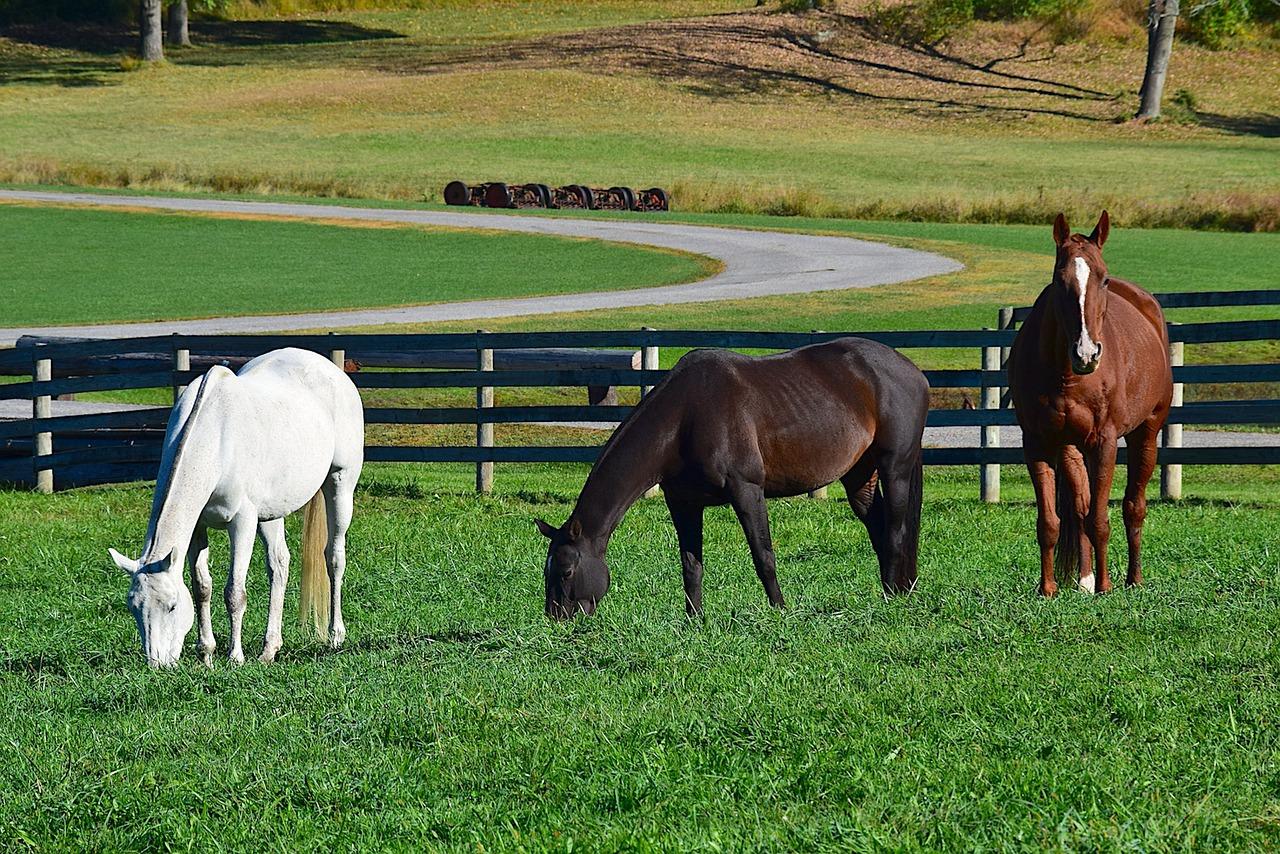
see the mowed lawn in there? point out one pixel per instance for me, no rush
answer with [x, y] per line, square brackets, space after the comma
[64, 265]
[969, 715]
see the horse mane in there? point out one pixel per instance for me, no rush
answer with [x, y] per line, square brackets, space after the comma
[165, 477]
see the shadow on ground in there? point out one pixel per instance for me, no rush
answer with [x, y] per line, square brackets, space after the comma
[83, 54]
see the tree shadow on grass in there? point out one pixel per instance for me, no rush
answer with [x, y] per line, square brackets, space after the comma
[83, 54]
[1266, 125]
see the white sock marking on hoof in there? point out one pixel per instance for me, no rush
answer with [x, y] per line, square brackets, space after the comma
[1086, 583]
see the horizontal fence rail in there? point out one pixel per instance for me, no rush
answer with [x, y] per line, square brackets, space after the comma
[125, 444]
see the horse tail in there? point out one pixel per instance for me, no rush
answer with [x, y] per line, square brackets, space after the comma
[911, 542]
[313, 588]
[1066, 557]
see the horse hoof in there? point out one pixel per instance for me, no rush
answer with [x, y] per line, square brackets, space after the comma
[236, 657]
[1087, 584]
[206, 657]
[268, 656]
[1048, 591]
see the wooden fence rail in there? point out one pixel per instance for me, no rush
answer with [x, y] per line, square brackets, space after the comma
[114, 446]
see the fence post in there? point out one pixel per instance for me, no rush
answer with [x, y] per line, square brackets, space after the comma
[649, 362]
[181, 362]
[1171, 473]
[821, 491]
[484, 430]
[990, 488]
[41, 407]
[1004, 320]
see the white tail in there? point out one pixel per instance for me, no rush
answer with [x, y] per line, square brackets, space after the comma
[313, 589]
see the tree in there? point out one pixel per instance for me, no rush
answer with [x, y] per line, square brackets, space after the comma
[1162, 19]
[152, 47]
[178, 32]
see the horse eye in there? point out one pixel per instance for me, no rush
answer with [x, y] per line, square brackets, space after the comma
[173, 607]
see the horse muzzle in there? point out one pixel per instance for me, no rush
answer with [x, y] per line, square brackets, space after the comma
[1085, 366]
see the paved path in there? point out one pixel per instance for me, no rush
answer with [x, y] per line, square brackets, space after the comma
[756, 263]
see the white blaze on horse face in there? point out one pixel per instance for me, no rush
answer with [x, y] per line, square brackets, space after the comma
[1086, 349]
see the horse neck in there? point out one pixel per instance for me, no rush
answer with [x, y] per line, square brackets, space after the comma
[1054, 346]
[188, 475]
[633, 460]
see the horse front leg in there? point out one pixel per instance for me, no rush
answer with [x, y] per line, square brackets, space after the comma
[202, 591]
[1044, 482]
[748, 503]
[273, 542]
[1142, 462]
[687, 517]
[241, 531]
[1098, 523]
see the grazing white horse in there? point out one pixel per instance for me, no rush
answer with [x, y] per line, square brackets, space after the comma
[241, 452]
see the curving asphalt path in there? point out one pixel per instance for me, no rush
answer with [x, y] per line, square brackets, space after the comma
[756, 263]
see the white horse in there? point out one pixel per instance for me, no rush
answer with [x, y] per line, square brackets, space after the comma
[241, 452]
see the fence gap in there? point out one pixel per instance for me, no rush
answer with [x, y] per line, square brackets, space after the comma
[484, 430]
[1171, 473]
[990, 486]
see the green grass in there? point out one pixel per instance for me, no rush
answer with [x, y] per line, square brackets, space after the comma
[90, 266]
[969, 715]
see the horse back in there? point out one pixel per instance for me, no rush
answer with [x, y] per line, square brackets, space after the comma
[1146, 304]
[799, 419]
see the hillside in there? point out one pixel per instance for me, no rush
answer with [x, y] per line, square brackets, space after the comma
[742, 109]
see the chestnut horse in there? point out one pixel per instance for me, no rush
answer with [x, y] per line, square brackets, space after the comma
[1089, 365]
[724, 428]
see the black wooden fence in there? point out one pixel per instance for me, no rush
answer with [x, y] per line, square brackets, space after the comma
[119, 446]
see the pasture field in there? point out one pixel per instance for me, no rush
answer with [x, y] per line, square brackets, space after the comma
[740, 109]
[969, 715]
[77, 265]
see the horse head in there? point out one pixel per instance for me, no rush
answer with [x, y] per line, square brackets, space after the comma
[1079, 299]
[161, 606]
[575, 574]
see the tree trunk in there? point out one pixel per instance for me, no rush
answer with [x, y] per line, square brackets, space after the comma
[1162, 19]
[178, 33]
[152, 47]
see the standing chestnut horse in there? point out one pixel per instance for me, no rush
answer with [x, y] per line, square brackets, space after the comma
[723, 428]
[1074, 402]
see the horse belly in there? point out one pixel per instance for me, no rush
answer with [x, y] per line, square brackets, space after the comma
[794, 466]
[288, 464]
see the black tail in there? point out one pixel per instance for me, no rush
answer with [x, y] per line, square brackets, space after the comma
[1066, 558]
[911, 542]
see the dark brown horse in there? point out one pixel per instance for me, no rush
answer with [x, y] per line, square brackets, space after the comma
[723, 428]
[1089, 365]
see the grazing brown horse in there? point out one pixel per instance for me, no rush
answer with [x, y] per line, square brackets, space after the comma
[1089, 365]
[723, 428]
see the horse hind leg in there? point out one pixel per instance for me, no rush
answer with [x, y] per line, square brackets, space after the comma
[902, 483]
[1142, 463]
[867, 500]
[1102, 464]
[339, 492]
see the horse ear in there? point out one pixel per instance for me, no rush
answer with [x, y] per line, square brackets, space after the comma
[128, 566]
[575, 529]
[1101, 230]
[548, 530]
[1061, 231]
